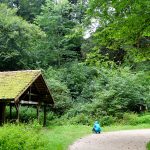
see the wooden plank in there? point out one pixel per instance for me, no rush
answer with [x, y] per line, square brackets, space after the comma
[10, 111]
[32, 94]
[44, 121]
[26, 102]
[2, 113]
[17, 105]
[38, 114]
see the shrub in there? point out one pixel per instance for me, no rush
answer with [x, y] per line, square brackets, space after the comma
[26, 113]
[80, 119]
[107, 120]
[21, 137]
[148, 146]
[144, 119]
[134, 119]
[59, 90]
[122, 91]
[78, 77]
[130, 118]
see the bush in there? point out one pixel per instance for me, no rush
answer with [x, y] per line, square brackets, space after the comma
[21, 137]
[59, 91]
[121, 91]
[80, 119]
[107, 120]
[26, 113]
[130, 118]
[134, 119]
[148, 146]
[78, 77]
[144, 119]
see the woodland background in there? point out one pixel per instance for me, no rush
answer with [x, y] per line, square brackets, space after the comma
[95, 55]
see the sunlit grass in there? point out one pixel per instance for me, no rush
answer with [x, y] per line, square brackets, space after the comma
[148, 146]
[125, 127]
[60, 137]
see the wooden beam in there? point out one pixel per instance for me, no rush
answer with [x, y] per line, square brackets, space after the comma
[26, 102]
[2, 113]
[17, 105]
[44, 121]
[10, 111]
[6, 100]
[38, 114]
[32, 94]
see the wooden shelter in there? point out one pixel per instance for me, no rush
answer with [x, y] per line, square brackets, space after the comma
[23, 88]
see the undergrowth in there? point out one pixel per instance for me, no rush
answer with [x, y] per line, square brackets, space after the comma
[22, 137]
[148, 146]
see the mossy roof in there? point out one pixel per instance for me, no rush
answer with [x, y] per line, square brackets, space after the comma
[12, 83]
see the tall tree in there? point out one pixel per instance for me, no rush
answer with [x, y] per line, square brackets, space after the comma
[28, 9]
[63, 43]
[17, 39]
[122, 25]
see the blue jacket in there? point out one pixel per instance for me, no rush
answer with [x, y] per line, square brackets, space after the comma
[97, 127]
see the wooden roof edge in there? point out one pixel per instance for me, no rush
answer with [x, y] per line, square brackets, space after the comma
[21, 71]
[38, 75]
[47, 88]
[6, 99]
[28, 85]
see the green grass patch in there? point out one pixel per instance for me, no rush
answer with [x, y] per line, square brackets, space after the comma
[60, 137]
[33, 136]
[125, 127]
[148, 146]
[22, 137]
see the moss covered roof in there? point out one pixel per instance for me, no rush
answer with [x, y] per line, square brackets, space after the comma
[12, 83]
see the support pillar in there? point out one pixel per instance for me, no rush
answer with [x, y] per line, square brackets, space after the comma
[44, 121]
[10, 111]
[38, 114]
[18, 112]
[2, 113]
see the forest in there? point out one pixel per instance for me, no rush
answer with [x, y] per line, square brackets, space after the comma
[95, 55]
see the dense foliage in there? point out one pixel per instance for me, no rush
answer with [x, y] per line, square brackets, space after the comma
[148, 146]
[123, 25]
[17, 40]
[22, 137]
[94, 54]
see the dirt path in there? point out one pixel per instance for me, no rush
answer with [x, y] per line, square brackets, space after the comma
[119, 140]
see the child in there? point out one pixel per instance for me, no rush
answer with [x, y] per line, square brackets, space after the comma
[96, 127]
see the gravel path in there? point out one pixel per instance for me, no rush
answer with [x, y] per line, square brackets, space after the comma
[119, 140]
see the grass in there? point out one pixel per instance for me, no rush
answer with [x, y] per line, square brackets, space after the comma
[22, 137]
[60, 137]
[125, 127]
[148, 146]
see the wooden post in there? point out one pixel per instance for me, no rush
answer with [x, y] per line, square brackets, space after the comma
[10, 111]
[2, 113]
[38, 118]
[30, 94]
[18, 112]
[44, 121]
